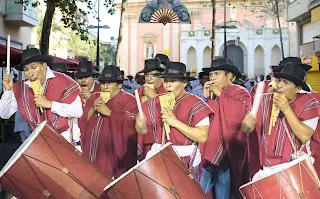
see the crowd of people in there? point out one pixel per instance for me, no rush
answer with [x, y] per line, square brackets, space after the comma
[211, 125]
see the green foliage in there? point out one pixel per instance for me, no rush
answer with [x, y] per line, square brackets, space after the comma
[72, 16]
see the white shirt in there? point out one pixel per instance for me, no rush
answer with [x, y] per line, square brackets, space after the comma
[8, 103]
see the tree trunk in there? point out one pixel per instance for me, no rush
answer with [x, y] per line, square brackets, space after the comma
[120, 33]
[46, 28]
[213, 32]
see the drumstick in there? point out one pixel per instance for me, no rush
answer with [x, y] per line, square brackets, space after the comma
[8, 54]
[138, 102]
[257, 99]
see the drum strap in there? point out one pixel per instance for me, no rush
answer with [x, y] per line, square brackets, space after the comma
[71, 129]
[290, 138]
[193, 155]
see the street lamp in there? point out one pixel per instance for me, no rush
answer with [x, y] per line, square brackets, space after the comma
[225, 27]
[98, 35]
[225, 35]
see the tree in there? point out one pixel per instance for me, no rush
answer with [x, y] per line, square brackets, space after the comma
[72, 17]
[108, 54]
[120, 30]
[269, 7]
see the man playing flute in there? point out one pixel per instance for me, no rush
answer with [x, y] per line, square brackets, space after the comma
[225, 151]
[188, 121]
[110, 139]
[298, 117]
[153, 85]
[58, 102]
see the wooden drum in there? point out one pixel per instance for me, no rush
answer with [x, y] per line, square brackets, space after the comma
[47, 166]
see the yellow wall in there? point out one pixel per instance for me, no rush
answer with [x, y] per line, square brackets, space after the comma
[313, 78]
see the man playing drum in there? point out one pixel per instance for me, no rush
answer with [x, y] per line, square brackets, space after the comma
[253, 146]
[282, 136]
[110, 139]
[185, 123]
[45, 95]
[225, 151]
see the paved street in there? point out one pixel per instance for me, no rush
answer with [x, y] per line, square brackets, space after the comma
[7, 149]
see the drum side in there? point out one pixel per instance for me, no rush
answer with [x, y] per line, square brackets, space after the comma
[161, 176]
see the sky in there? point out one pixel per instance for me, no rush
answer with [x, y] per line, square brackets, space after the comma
[113, 21]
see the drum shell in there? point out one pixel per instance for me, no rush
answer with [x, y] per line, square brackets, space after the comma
[162, 176]
[296, 182]
[51, 166]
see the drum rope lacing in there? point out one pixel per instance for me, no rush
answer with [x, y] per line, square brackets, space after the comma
[171, 190]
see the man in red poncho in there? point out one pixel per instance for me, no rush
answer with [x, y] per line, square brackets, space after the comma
[225, 151]
[110, 139]
[253, 146]
[58, 103]
[253, 139]
[188, 121]
[153, 86]
[84, 77]
[298, 117]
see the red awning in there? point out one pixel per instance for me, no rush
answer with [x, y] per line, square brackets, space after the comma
[15, 55]
[71, 63]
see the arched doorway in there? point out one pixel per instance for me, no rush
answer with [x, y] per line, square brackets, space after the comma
[275, 55]
[235, 54]
[259, 61]
[192, 58]
[206, 57]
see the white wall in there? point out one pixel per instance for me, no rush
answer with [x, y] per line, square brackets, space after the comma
[249, 41]
[20, 34]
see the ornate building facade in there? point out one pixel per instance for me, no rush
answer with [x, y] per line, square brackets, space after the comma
[253, 46]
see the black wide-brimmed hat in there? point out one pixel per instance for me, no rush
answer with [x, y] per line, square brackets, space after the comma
[111, 73]
[217, 62]
[151, 65]
[282, 63]
[164, 59]
[174, 70]
[32, 55]
[295, 74]
[227, 67]
[85, 69]
[62, 68]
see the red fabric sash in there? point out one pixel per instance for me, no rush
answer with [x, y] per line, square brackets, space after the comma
[111, 142]
[61, 88]
[226, 140]
[276, 148]
[189, 109]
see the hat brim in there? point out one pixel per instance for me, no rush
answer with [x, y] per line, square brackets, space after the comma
[147, 70]
[232, 69]
[171, 75]
[206, 70]
[80, 75]
[110, 79]
[296, 81]
[277, 69]
[37, 58]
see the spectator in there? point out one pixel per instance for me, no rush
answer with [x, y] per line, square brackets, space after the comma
[268, 77]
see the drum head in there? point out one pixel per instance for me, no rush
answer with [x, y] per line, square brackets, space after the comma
[17, 154]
